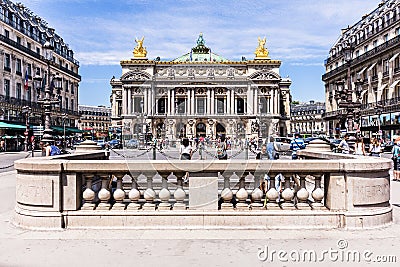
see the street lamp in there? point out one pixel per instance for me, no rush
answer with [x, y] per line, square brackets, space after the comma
[49, 99]
[64, 117]
[26, 110]
[260, 106]
[344, 95]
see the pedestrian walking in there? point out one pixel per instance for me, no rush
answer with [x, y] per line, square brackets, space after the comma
[396, 161]
[186, 152]
[375, 148]
[344, 146]
[359, 147]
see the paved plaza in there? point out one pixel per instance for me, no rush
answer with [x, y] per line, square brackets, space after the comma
[21, 247]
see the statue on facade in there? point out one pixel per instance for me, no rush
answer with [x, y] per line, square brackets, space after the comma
[139, 51]
[261, 52]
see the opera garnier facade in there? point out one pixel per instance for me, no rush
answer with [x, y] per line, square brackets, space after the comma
[200, 94]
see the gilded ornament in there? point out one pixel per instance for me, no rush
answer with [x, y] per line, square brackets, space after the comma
[261, 52]
[139, 51]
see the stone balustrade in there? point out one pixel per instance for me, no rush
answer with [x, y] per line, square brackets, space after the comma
[78, 191]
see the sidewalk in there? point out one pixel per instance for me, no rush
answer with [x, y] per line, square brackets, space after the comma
[20, 247]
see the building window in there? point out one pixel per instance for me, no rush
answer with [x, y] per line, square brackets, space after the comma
[7, 62]
[29, 94]
[60, 99]
[180, 106]
[29, 45]
[7, 88]
[220, 106]
[18, 67]
[375, 43]
[66, 103]
[138, 104]
[161, 106]
[357, 53]
[200, 105]
[72, 88]
[365, 48]
[385, 67]
[18, 40]
[240, 106]
[66, 86]
[6, 34]
[29, 70]
[386, 37]
[38, 50]
[18, 90]
[72, 105]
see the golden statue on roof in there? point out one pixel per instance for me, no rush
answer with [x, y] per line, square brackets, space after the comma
[261, 52]
[139, 51]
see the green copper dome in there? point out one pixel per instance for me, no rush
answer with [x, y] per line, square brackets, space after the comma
[200, 53]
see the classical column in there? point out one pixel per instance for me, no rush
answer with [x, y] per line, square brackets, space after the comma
[192, 107]
[114, 105]
[208, 101]
[249, 100]
[146, 100]
[232, 101]
[255, 105]
[168, 107]
[124, 100]
[212, 111]
[228, 101]
[172, 101]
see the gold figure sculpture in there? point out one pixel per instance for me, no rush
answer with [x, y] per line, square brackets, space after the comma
[261, 52]
[139, 51]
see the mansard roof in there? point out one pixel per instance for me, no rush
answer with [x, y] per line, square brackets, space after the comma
[350, 35]
[24, 20]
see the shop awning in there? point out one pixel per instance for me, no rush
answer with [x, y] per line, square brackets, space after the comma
[394, 57]
[60, 129]
[4, 125]
[361, 71]
[372, 66]
[393, 85]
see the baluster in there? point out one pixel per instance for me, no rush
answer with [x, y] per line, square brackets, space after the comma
[257, 194]
[104, 193]
[149, 195]
[179, 194]
[272, 194]
[287, 194]
[119, 194]
[226, 194]
[88, 195]
[164, 195]
[302, 194]
[317, 194]
[242, 194]
[134, 194]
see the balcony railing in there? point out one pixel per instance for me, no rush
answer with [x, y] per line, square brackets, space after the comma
[36, 55]
[373, 52]
[78, 191]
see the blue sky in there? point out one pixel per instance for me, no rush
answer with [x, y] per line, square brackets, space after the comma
[102, 32]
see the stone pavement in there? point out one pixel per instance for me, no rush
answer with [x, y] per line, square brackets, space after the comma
[21, 247]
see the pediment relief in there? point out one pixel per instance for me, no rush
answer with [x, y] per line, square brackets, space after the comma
[264, 76]
[135, 76]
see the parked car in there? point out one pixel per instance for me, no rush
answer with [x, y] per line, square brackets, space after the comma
[75, 144]
[282, 144]
[101, 143]
[334, 143]
[116, 144]
[387, 147]
[133, 143]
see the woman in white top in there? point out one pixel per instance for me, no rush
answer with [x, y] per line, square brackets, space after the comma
[185, 150]
[359, 147]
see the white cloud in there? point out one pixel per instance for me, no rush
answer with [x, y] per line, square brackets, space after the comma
[297, 31]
